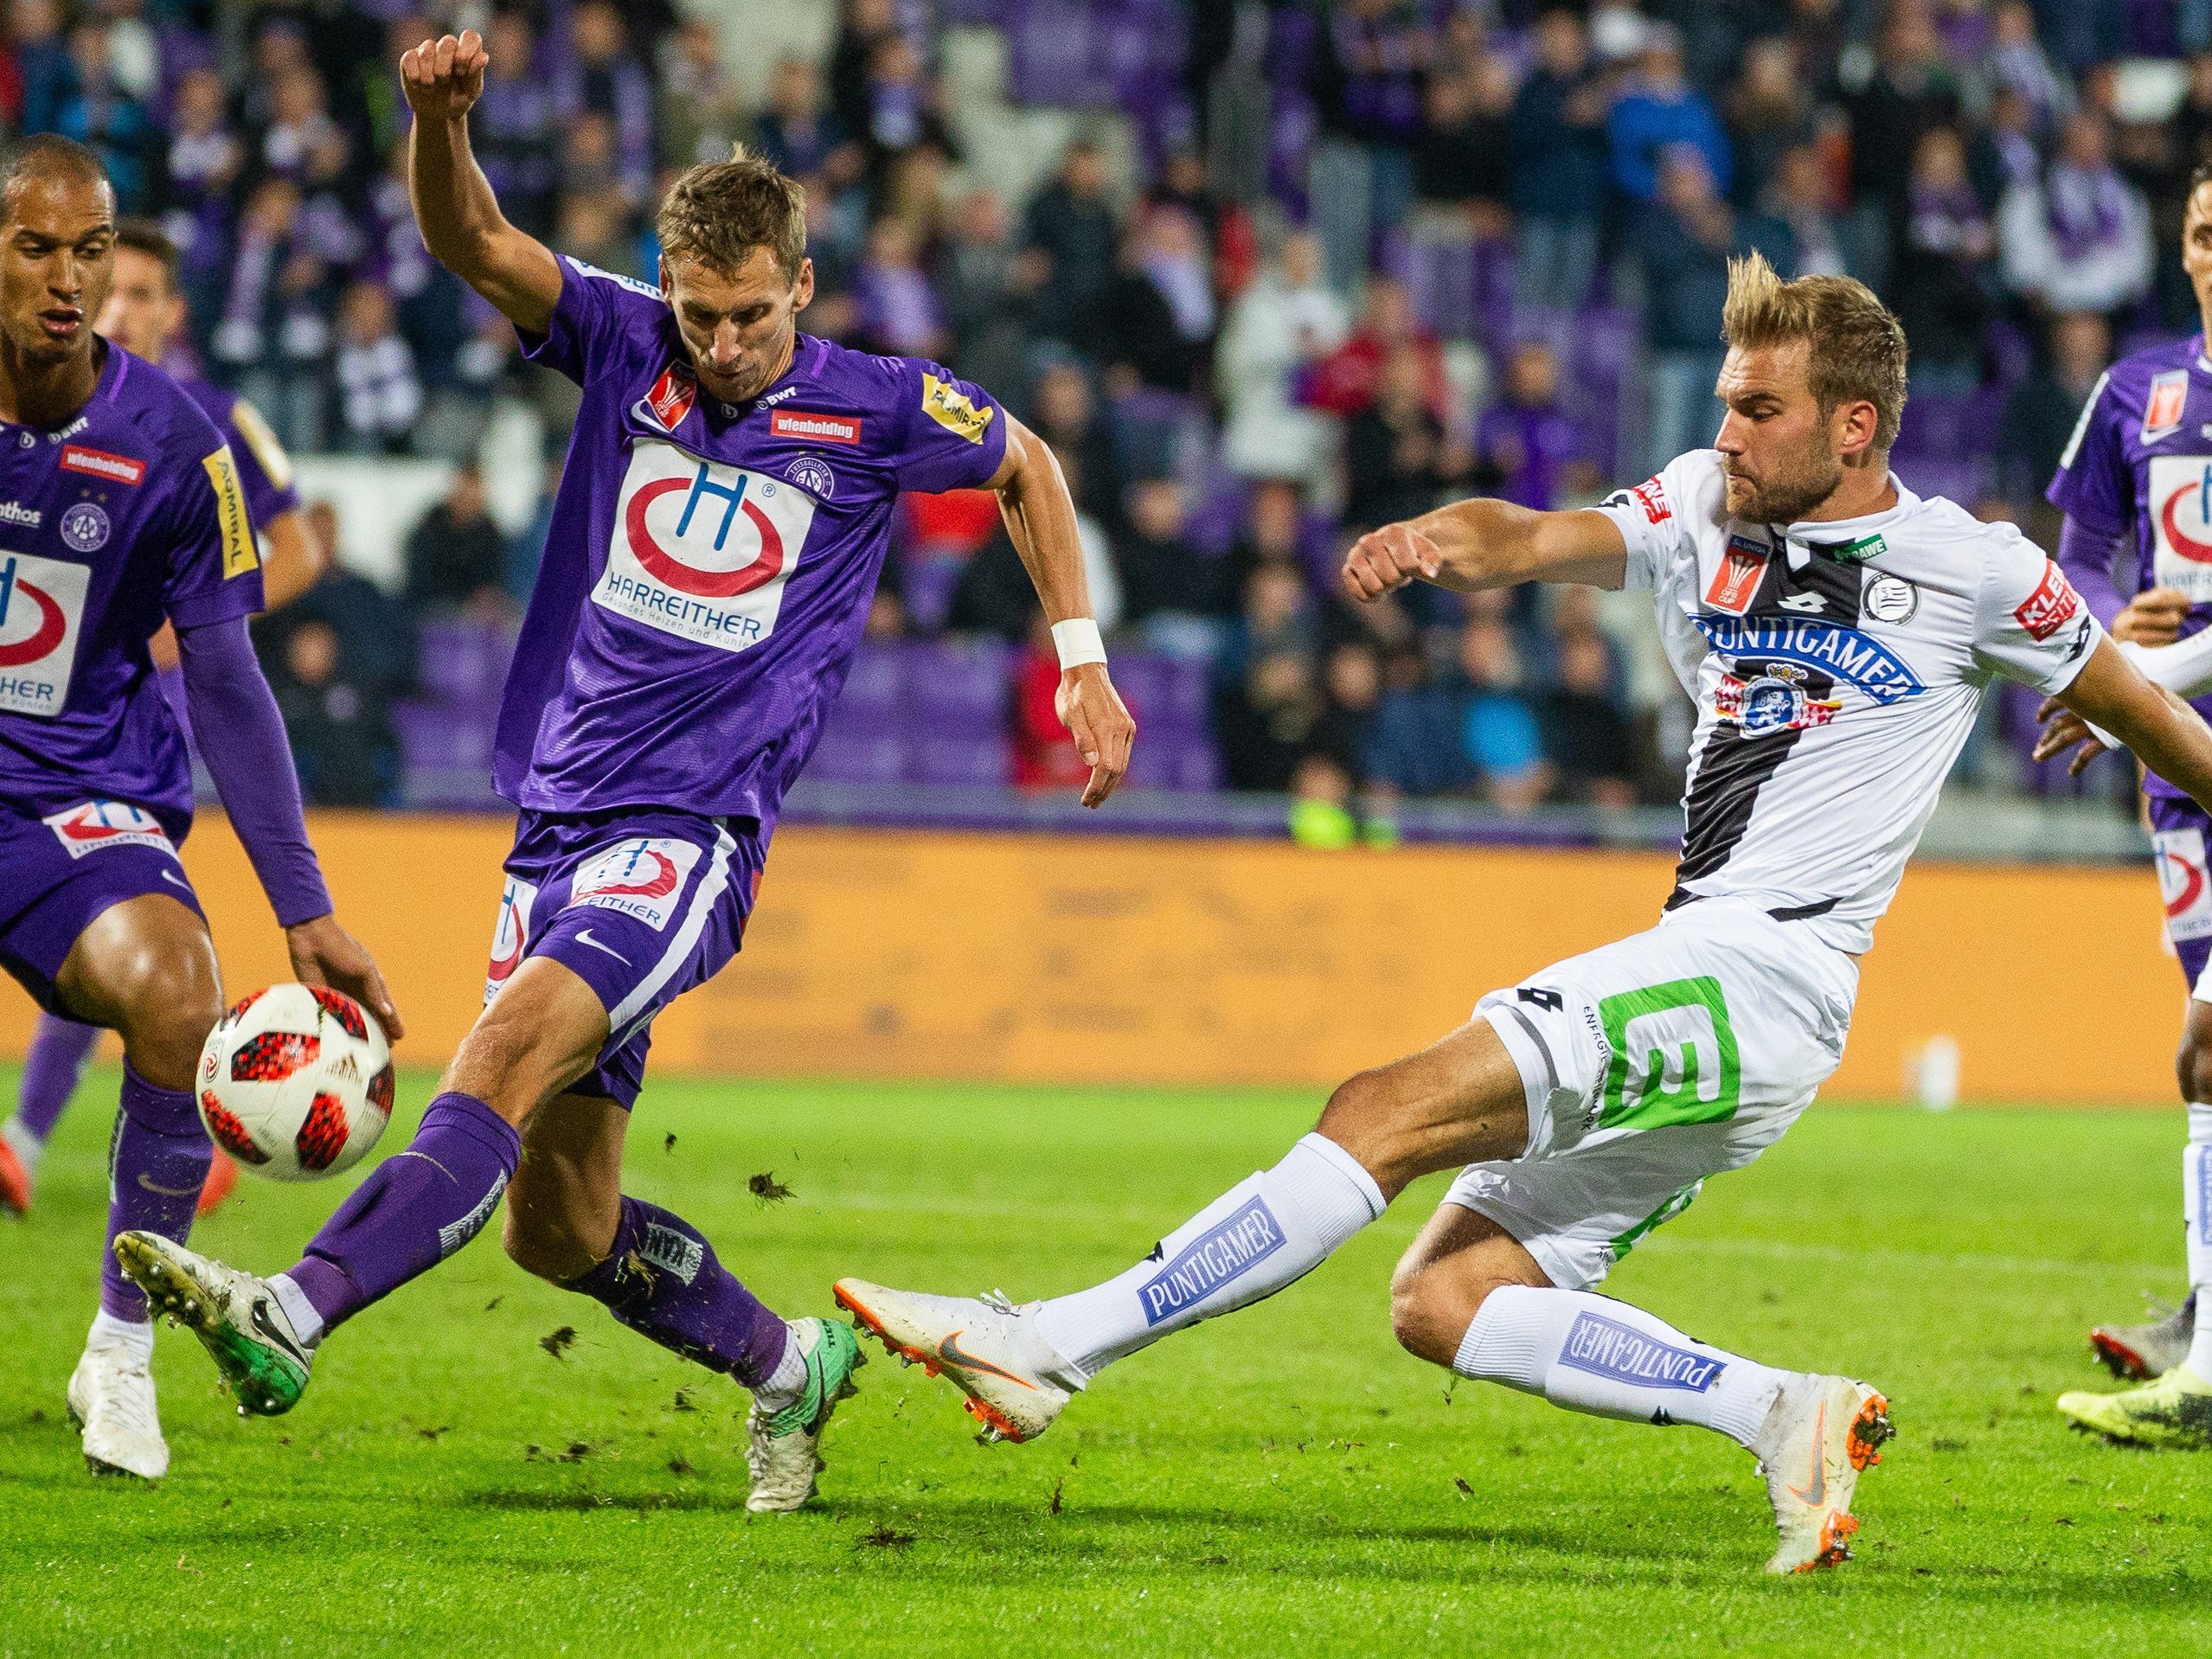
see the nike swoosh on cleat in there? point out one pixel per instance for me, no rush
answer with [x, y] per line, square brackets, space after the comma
[951, 1352]
[1819, 1482]
[263, 1327]
[584, 937]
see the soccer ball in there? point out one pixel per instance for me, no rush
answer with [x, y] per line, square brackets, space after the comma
[296, 1082]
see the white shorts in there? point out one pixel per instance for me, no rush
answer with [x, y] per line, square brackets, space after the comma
[1649, 1065]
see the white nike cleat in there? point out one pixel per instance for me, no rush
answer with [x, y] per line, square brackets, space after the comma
[985, 1347]
[1819, 1433]
[111, 1400]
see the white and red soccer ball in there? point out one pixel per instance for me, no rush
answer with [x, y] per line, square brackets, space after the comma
[296, 1082]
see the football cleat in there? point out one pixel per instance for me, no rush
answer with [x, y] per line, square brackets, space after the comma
[985, 1347]
[783, 1448]
[236, 1318]
[1820, 1433]
[112, 1401]
[2138, 1352]
[15, 1181]
[223, 1176]
[2175, 1411]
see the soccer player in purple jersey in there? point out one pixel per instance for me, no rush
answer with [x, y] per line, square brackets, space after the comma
[717, 536]
[120, 508]
[143, 313]
[2135, 483]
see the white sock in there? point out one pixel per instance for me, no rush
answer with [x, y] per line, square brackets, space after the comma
[1256, 1238]
[1592, 1354]
[135, 1335]
[26, 1147]
[2196, 1207]
[787, 1381]
[298, 1311]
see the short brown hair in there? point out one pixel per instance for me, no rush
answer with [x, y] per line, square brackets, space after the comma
[1856, 347]
[718, 211]
[144, 236]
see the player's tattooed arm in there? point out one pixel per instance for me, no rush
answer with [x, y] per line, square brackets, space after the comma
[1483, 543]
[454, 205]
[2111, 696]
[1040, 518]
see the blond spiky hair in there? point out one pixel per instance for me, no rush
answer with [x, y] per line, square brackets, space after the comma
[1856, 346]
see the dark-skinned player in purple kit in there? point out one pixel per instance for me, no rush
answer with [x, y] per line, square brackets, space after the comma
[122, 511]
[719, 531]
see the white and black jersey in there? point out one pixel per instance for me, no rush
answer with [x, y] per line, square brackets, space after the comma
[1837, 670]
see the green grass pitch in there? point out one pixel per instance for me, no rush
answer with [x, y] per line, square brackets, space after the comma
[1281, 1482]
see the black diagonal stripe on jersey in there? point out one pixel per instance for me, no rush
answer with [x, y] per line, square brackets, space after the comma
[1731, 770]
[1826, 590]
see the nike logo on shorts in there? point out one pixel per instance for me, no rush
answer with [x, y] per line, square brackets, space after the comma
[584, 937]
[175, 880]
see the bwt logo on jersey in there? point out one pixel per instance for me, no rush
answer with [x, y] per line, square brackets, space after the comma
[1227, 1251]
[1605, 1347]
[1862, 661]
[42, 609]
[701, 550]
[97, 824]
[640, 877]
[511, 937]
[2181, 524]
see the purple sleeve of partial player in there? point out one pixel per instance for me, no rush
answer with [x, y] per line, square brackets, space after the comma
[242, 738]
[2095, 483]
[2087, 557]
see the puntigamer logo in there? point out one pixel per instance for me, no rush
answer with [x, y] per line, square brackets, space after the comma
[1226, 1252]
[1859, 659]
[1605, 1347]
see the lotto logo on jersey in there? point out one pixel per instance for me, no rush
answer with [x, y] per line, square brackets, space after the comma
[96, 825]
[2051, 606]
[2179, 854]
[510, 936]
[701, 550]
[41, 611]
[2181, 524]
[641, 877]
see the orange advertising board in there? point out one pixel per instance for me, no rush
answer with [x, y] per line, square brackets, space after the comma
[1042, 957]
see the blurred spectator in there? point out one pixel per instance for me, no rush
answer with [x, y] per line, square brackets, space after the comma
[794, 130]
[902, 109]
[1587, 739]
[1912, 90]
[1414, 748]
[1526, 438]
[1770, 114]
[598, 76]
[898, 313]
[1272, 527]
[1321, 797]
[1497, 721]
[1797, 202]
[1365, 81]
[973, 279]
[100, 112]
[375, 630]
[343, 742]
[298, 123]
[378, 395]
[1658, 114]
[1174, 593]
[1352, 693]
[456, 557]
[1686, 241]
[1344, 381]
[275, 325]
[2044, 408]
[42, 62]
[2017, 62]
[526, 552]
[1942, 268]
[1559, 151]
[1281, 325]
[702, 114]
[1265, 718]
[2081, 240]
[1395, 449]
[1155, 317]
[514, 128]
[1069, 242]
[1462, 161]
[1066, 417]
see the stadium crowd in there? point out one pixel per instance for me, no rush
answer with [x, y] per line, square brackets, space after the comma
[1305, 269]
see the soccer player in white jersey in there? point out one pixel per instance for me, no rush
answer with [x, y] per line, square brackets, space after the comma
[1837, 633]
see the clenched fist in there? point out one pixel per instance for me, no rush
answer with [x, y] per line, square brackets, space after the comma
[443, 78]
[1387, 559]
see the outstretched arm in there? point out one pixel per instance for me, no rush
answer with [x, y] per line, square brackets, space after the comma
[1041, 520]
[461, 223]
[1483, 543]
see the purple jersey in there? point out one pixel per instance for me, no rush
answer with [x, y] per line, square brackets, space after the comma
[709, 566]
[128, 515]
[264, 469]
[2138, 469]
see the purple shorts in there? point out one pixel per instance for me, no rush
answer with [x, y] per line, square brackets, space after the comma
[2180, 833]
[57, 874]
[641, 905]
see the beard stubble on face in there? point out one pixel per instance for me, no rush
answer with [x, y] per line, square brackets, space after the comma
[1790, 492]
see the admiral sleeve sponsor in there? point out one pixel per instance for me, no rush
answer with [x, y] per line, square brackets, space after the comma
[944, 402]
[238, 554]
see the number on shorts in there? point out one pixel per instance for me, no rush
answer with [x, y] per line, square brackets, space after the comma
[1676, 1041]
[1666, 1212]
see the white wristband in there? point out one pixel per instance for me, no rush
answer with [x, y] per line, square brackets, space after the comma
[1077, 640]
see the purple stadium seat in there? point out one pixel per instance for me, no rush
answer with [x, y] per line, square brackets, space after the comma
[1940, 428]
[877, 689]
[1141, 680]
[959, 762]
[463, 662]
[927, 592]
[851, 753]
[956, 685]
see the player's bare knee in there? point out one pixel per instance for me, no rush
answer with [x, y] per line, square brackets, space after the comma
[1429, 1311]
[2193, 1065]
[541, 1245]
[166, 1004]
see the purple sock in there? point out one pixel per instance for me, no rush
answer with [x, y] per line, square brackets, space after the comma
[662, 1281]
[59, 1050]
[416, 1209]
[157, 1164]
